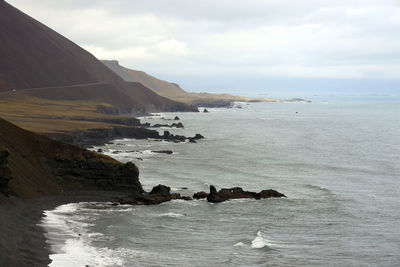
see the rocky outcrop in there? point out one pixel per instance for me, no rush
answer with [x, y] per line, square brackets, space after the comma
[173, 125]
[235, 193]
[157, 195]
[102, 136]
[194, 138]
[169, 152]
[5, 172]
[92, 172]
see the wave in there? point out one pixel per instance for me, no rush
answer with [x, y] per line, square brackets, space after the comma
[172, 215]
[68, 233]
[261, 241]
[318, 188]
[240, 244]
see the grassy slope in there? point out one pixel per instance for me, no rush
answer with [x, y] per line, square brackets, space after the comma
[51, 116]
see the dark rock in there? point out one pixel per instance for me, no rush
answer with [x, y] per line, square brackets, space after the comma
[102, 136]
[270, 193]
[186, 198]
[213, 196]
[5, 172]
[100, 150]
[177, 125]
[169, 152]
[200, 195]
[205, 110]
[167, 134]
[176, 118]
[236, 193]
[173, 125]
[194, 138]
[198, 136]
[157, 195]
[161, 190]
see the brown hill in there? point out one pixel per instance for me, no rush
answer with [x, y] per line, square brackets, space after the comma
[159, 86]
[174, 91]
[40, 62]
[33, 165]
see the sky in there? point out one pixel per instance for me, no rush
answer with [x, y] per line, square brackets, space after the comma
[249, 47]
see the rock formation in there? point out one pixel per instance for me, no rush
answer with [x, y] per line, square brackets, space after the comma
[157, 195]
[235, 193]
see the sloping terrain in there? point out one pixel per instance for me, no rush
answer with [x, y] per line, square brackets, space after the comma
[173, 90]
[32, 165]
[40, 62]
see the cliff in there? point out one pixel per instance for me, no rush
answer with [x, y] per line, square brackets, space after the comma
[32, 165]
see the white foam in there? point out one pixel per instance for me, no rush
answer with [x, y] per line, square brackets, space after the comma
[172, 214]
[71, 241]
[260, 241]
[240, 244]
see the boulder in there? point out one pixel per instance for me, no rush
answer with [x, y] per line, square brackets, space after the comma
[176, 118]
[169, 152]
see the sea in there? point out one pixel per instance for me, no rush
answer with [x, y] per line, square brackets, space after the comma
[337, 159]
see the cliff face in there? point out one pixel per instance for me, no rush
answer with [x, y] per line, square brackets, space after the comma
[32, 165]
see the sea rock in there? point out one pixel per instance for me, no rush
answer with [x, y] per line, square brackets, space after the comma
[157, 195]
[176, 118]
[235, 193]
[270, 193]
[169, 152]
[205, 110]
[194, 138]
[173, 125]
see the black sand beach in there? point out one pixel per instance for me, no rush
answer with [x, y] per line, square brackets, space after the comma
[22, 240]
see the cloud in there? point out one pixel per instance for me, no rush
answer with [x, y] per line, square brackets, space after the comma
[308, 38]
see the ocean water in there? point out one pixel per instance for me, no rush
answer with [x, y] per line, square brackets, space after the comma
[337, 160]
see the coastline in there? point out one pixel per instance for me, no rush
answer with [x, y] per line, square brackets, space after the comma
[23, 242]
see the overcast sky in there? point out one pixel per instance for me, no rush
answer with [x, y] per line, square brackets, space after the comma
[214, 44]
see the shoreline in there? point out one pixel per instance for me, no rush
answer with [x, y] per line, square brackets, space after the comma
[23, 242]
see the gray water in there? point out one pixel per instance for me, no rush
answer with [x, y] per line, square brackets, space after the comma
[338, 161]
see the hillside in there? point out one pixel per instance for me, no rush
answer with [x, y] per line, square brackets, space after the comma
[40, 62]
[32, 165]
[173, 90]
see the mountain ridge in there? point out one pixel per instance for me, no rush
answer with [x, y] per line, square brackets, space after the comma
[33, 56]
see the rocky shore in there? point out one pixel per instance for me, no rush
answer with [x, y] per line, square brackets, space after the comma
[97, 137]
